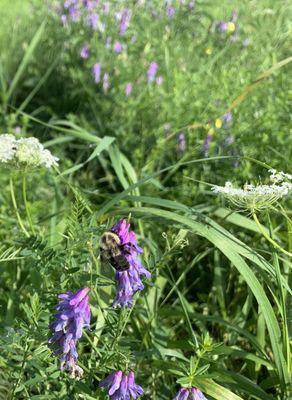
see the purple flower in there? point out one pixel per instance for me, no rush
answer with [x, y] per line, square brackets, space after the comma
[92, 21]
[118, 47]
[73, 314]
[189, 394]
[206, 145]
[121, 386]
[129, 281]
[222, 26]
[88, 4]
[227, 118]
[152, 70]
[170, 11]
[128, 89]
[125, 18]
[96, 71]
[105, 84]
[64, 19]
[106, 8]
[159, 80]
[84, 52]
[74, 14]
[191, 5]
[181, 142]
[69, 3]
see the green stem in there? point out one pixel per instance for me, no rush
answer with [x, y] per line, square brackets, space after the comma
[16, 209]
[26, 203]
[263, 231]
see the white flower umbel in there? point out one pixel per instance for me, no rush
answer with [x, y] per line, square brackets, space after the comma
[252, 197]
[25, 152]
[277, 177]
[7, 148]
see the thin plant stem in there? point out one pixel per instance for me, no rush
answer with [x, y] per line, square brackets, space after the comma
[264, 233]
[16, 209]
[26, 203]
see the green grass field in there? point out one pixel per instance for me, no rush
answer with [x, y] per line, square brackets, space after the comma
[150, 108]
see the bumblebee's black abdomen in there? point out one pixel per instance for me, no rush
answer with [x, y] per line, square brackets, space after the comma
[120, 263]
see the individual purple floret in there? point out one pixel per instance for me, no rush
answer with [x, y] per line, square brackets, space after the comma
[222, 26]
[96, 71]
[121, 387]
[128, 89]
[92, 21]
[129, 281]
[189, 394]
[170, 11]
[207, 143]
[125, 20]
[73, 314]
[152, 70]
[118, 47]
[181, 142]
[227, 118]
[85, 52]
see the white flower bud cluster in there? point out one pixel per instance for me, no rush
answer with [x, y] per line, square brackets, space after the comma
[259, 197]
[25, 152]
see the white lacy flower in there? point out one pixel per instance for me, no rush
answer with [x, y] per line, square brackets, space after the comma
[7, 147]
[277, 177]
[252, 197]
[25, 152]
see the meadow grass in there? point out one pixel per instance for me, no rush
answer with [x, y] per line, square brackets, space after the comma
[217, 311]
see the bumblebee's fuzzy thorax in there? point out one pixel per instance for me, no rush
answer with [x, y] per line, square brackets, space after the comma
[111, 251]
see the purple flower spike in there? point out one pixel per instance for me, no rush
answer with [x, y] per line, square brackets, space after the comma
[207, 143]
[152, 70]
[84, 52]
[129, 281]
[181, 142]
[73, 314]
[227, 118]
[96, 71]
[121, 387]
[118, 47]
[170, 11]
[92, 21]
[182, 394]
[189, 394]
[125, 18]
[196, 394]
[128, 89]
[222, 26]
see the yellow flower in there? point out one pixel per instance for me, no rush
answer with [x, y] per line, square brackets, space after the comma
[209, 51]
[230, 27]
[218, 123]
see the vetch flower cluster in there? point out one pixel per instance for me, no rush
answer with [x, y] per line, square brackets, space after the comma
[189, 394]
[121, 387]
[259, 197]
[129, 281]
[25, 152]
[73, 314]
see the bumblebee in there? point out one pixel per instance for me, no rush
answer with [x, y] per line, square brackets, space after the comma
[111, 251]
